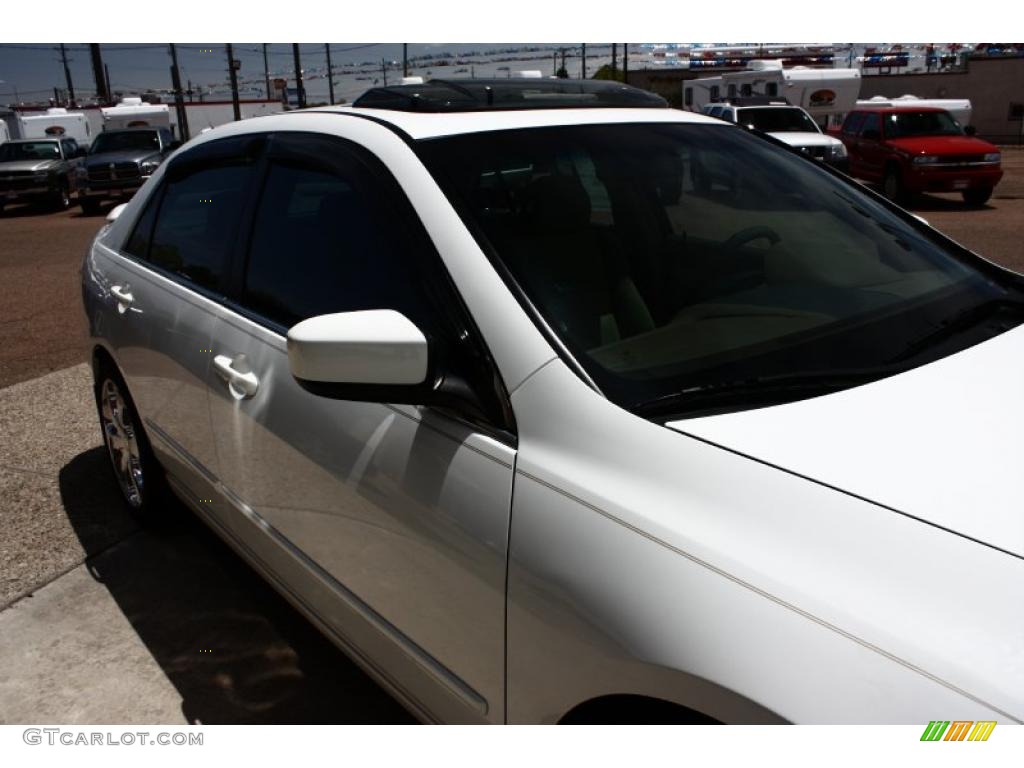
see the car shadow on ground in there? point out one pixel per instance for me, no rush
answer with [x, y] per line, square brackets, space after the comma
[923, 203]
[234, 649]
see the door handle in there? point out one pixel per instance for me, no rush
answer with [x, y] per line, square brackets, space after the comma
[124, 297]
[242, 384]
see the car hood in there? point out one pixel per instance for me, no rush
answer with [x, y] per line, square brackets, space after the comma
[940, 443]
[805, 139]
[15, 166]
[942, 145]
[127, 155]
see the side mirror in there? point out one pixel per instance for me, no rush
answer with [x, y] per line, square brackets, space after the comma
[872, 134]
[970, 130]
[378, 347]
[116, 211]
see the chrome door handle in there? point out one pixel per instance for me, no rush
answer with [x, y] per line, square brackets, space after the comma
[241, 384]
[124, 297]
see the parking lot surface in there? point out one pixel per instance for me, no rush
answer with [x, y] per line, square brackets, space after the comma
[103, 622]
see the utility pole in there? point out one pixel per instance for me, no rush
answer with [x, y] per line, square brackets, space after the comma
[615, 48]
[384, 71]
[56, 97]
[405, 59]
[266, 72]
[97, 73]
[299, 90]
[234, 82]
[330, 73]
[583, 71]
[554, 63]
[110, 89]
[67, 74]
[189, 91]
[625, 63]
[179, 101]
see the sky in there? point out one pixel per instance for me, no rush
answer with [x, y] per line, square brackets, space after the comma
[32, 70]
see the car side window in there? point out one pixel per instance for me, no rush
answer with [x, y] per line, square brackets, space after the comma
[138, 242]
[871, 123]
[322, 243]
[851, 127]
[197, 223]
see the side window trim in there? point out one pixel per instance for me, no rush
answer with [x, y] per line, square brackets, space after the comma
[156, 201]
[354, 157]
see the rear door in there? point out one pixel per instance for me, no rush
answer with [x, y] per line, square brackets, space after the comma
[389, 522]
[166, 285]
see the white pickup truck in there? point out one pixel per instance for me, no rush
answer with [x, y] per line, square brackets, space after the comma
[787, 123]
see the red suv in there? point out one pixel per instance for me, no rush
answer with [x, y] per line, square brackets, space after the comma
[919, 149]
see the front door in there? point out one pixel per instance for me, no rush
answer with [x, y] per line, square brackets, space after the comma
[389, 522]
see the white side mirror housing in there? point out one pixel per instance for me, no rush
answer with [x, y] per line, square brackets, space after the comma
[371, 347]
[116, 211]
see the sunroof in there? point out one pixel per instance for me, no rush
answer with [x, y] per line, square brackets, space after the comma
[482, 95]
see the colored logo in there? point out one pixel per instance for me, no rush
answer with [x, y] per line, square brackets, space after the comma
[823, 98]
[958, 730]
[55, 130]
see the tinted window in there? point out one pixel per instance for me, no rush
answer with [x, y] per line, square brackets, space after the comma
[322, 243]
[138, 243]
[871, 123]
[853, 123]
[198, 223]
[727, 273]
[901, 124]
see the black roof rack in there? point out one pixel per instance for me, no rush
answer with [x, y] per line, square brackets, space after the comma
[472, 95]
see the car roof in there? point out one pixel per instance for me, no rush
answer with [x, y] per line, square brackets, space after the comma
[427, 125]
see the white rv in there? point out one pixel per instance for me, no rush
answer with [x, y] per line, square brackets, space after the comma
[5, 134]
[56, 123]
[959, 108]
[132, 112]
[822, 92]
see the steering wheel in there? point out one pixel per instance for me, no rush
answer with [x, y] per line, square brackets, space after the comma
[744, 236]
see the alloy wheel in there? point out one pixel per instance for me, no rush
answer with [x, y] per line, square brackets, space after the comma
[121, 436]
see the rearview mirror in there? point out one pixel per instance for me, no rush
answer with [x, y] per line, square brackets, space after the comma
[970, 130]
[378, 347]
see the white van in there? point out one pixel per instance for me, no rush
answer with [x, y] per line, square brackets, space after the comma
[56, 123]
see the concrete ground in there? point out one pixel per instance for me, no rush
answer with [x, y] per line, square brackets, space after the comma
[103, 622]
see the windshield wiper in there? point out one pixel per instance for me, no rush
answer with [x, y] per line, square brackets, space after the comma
[962, 321]
[756, 391]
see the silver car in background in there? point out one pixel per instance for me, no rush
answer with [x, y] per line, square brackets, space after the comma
[539, 430]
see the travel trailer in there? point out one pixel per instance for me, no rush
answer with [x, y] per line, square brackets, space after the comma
[55, 123]
[133, 112]
[958, 108]
[824, 93]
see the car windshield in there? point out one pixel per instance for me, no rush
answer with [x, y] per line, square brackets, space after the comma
[119, 141]
[677, 261]
[29, 150]
[899, 125]
[776, 119]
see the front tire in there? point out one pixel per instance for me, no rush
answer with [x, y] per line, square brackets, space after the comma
[62, 198]
[89, 207]
[139, 477]
[977, 197]
[893, 188]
